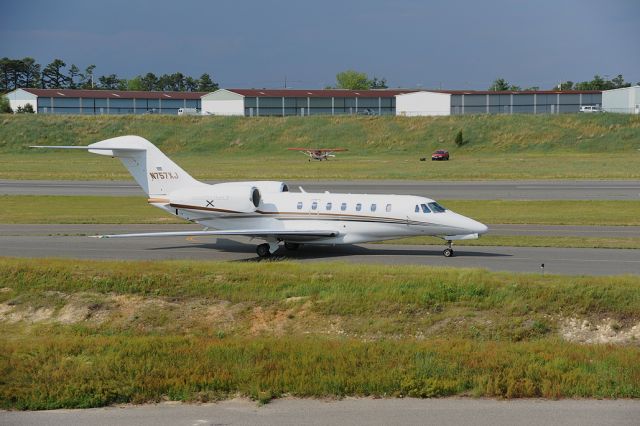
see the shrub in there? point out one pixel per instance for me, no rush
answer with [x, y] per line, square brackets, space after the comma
[27, 109]
[5, 107]
[460, 139]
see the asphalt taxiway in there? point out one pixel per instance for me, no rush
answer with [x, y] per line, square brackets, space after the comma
[348, 412]
[456, 190]
[70, 241]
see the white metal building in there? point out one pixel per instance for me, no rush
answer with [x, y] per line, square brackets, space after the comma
[283, 102]
[625, 100]
[423, 103]
[223, 102]
[70, 101]
[456, 102]
[20, 98]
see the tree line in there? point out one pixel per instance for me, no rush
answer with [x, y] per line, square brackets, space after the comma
[597, 83]
[354, 80]
[26, 72]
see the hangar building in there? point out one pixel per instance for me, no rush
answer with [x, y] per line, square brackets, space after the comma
[263, 102]
[623, 100]
[455, 102]
[67, 101]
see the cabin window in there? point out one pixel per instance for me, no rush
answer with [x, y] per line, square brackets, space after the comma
[425, 209]
[314, 205]
[329, 205]
[358, 207]
[343, 206]
[436, 208]
[299, 205]
[388, 207]
[373, 207]
[417, 208]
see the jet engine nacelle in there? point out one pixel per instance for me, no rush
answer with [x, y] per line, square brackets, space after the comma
[269, 186]
[241, 197]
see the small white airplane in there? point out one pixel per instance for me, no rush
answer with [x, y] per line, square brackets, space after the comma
[267, 210]
[319, 153]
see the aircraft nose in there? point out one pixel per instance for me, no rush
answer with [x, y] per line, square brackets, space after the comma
[480, 228]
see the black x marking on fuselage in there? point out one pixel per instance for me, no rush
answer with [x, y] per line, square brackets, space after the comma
[210, 203]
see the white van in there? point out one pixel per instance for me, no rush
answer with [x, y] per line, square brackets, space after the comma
[590, 108]
[188, 111]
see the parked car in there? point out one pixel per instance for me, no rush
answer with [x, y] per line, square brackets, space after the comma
[440, 155]
[590, 108]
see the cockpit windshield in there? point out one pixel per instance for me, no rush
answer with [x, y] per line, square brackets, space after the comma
[436, 208]
[425, 209]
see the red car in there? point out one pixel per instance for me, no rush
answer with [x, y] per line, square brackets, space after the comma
[440, 155]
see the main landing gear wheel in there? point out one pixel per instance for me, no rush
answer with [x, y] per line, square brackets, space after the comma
[263, 250]
[291, 246]
[448, 252]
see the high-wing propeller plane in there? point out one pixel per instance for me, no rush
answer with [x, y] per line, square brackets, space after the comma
[267, 210]
[318, 153]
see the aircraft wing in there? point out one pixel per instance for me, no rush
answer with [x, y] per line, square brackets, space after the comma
[277, 233]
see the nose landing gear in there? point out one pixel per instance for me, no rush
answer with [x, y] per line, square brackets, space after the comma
[448, 252]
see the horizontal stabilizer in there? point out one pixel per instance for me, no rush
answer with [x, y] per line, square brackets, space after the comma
[277, 233]
[87, 147]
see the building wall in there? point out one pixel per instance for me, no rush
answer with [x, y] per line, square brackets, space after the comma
[423, 103]
[625, 100]
[20, 98]
[98, 106]
[521, 103]
[223, 102]
[283, 106]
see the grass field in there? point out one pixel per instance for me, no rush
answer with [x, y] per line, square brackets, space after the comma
[95, 333]
[602, 146]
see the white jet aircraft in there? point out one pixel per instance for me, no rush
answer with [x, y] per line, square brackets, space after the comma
[268, 211]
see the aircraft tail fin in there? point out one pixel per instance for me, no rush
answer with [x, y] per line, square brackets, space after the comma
[152, 170]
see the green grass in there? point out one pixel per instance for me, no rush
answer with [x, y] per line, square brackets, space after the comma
[287, 166]
[602, 146]
[199, 331]
[80, 209]
[93, 209]
[81, 372]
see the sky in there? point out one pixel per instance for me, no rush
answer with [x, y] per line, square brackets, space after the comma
[454, 44]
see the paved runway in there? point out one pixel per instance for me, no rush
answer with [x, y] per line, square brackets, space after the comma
[506, 229]
[348, 412]
[36, 241]
[475, 190]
